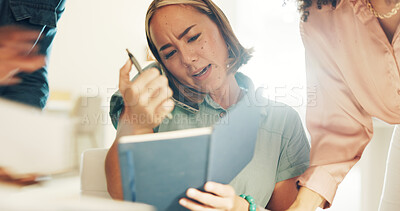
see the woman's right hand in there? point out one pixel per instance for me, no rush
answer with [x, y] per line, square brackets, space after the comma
[147, 99]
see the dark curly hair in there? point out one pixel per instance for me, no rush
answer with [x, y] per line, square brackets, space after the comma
[304, 5]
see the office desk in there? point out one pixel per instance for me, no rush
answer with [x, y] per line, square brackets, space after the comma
[59, 194]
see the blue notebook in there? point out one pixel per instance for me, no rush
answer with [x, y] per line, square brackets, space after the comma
[158, 168]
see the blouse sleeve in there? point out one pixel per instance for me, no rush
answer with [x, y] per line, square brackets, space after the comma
[339, 126]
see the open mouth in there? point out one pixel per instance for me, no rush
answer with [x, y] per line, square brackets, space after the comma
[202, 72]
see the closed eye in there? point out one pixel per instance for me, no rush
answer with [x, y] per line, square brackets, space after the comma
[170, 54]
[194, 38]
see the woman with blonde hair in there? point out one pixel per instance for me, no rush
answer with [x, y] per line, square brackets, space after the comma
[200, 55]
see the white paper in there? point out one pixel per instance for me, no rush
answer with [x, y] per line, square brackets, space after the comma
[32, 141]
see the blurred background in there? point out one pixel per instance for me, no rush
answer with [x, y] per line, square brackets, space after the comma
[89, 50]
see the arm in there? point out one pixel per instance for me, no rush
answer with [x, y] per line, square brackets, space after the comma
[33, 87]
[284, 194]
[294, 160]
[307, 200]
[339, 126]
[113, 174]
[146, 103]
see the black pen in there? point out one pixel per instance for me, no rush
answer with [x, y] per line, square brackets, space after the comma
[134, 62]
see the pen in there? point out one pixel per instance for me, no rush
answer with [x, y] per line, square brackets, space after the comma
[139, 69]
[134, 62]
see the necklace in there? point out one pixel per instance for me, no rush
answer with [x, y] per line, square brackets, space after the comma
[383, 16]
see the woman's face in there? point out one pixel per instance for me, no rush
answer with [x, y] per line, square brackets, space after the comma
[190, 46]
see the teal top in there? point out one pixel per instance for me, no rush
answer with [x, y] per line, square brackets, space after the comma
[282, 149]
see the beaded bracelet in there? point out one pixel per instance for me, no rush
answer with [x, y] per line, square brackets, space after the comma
[252, 203]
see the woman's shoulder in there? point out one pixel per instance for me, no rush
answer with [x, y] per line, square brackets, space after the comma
[279, 118]
[324, 18]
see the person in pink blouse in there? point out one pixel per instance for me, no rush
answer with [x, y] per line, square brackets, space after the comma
[352, 52]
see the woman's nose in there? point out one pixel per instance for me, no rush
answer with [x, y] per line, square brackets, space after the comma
[189, 57]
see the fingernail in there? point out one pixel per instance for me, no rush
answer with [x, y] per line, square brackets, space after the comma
[191, 192]
[182, 202]
[209, 186]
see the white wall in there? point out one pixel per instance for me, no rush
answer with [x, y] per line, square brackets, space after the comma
[90, 45]
[89, 48]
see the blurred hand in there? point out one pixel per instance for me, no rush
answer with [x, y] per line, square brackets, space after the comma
[217, 197]
[17, 53]
[147, 99]
[5, 177]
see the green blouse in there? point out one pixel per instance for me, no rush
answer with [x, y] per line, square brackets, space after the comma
[282, 149]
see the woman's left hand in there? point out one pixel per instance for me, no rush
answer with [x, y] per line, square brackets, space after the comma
[217, 197]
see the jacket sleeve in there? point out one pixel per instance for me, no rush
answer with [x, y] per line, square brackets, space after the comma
[34, 88]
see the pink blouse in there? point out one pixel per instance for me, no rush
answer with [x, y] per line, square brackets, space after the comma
[352, 75]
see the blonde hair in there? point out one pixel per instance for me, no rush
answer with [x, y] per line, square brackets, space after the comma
[238, 55]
